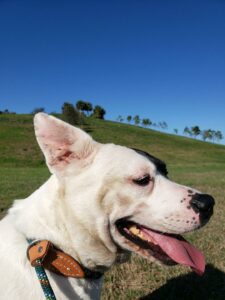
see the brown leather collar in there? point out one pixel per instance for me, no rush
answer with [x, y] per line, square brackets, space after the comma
[57, 261]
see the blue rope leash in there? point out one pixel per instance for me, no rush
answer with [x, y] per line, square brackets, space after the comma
[43, 279]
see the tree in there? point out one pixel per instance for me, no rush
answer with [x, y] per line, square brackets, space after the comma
[218, 135]
[206, 134]
[84, 106]
[119, 118]
[129, 118]
[37, 110]
[187, 131]
[88, 107]
[195, 131]
[213, 135]
[99, 112]
[80, 105]
[175, 130]
[146, 122]
[163, 125]
[71, 115]
[136, 120]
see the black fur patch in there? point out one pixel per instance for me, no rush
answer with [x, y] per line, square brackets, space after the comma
[160, 165]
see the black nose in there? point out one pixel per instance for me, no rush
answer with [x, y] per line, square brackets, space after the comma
[203, 204]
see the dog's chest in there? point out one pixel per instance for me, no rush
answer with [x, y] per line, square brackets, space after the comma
[19, 280]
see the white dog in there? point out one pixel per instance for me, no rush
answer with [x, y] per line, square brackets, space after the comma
[101, 203]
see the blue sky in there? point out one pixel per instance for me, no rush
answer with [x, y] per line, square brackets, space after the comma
[162, 59]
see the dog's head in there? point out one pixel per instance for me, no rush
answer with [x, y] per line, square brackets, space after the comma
[123, 196]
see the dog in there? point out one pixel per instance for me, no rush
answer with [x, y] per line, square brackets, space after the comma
[102, 202]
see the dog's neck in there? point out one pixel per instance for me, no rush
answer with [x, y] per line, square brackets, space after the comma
[52, 220]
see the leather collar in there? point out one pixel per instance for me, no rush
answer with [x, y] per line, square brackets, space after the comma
[57, 261]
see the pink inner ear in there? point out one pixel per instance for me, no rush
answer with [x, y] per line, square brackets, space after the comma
[61, 143]
[53, 133]
[61, 156]
[57, 143]
[67, 154]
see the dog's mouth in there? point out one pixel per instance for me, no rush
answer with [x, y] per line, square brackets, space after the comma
[169, 249]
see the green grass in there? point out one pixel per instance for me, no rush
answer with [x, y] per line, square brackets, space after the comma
[190, 162]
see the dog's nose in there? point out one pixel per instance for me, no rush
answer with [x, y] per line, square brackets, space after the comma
[203, 204]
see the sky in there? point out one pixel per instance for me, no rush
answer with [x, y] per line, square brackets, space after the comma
[163, 60]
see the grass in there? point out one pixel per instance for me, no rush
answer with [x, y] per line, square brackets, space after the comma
[190, 162]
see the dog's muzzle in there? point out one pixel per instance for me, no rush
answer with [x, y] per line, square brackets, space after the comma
[203, 204]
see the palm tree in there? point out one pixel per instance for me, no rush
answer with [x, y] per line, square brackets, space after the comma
[207, 134]
[218, 135]
[187, 131]
[129, 118]
[195, 131]
[119, 118]
[163, 125]
[136, 120]
[146, 122]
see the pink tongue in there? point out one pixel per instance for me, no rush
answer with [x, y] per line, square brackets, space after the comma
[180, 251]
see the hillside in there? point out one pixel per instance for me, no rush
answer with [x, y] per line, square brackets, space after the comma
[18, 146]
[191, 162]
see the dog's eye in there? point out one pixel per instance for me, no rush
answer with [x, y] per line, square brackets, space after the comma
[143, 180]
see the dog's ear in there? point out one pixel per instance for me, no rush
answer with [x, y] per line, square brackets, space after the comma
[61, 143]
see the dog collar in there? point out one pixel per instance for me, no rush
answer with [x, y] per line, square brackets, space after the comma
[57, 261]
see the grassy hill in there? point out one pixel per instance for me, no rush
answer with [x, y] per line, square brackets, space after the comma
[190, 162]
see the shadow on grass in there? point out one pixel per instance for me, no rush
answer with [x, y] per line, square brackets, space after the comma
[211, 286]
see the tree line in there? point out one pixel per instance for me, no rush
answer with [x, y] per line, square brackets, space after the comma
[146, 122]
[193, 132]
[75, 114]
[205, 134]
[7, 112]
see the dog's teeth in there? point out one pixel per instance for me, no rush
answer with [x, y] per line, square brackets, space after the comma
[134, 230]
